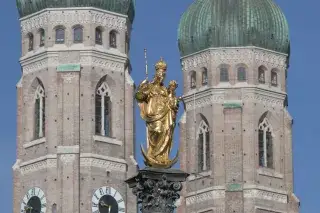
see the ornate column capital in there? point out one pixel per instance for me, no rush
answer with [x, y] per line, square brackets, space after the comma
[157, 190]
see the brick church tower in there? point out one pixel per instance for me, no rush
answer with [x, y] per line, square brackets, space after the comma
[236, 132]
[75, 120]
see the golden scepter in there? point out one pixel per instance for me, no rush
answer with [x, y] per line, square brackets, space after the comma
[146, 62]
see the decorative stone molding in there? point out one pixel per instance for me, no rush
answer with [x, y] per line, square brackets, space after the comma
[49, 161]
[252, 94]
[87, 57]
[107, 64]
[104, 162]
[265, 195]
[234, 55]
[263, 99]
[34, 142]
[67, 158]
[202, 196]
[35, 66]
[109, 140]
[68, 149]
[72, 16]
[200, 102]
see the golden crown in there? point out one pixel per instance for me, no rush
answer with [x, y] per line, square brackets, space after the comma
[161, 65]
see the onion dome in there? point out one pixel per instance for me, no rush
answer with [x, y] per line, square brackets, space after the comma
[125, 7]
[233, 23]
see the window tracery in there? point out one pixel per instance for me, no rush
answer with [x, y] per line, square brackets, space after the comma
[203, 138]
[265, 144]
[103, 110]
[39, 113]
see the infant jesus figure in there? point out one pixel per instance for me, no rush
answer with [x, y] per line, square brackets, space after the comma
[173, 100]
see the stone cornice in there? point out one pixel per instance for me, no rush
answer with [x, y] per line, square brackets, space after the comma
[249, 191]
[88, 57]
[72, 16]
[234, 55]
[103, 162]
[217, 95]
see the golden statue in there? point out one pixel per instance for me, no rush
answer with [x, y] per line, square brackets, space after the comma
[158, 107]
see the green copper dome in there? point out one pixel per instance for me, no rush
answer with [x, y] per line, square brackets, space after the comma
[233, 23]
[126, 7]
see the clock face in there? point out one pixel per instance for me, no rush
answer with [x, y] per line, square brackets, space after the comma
[107, 200]
[34, 201]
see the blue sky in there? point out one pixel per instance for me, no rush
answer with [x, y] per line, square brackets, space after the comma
[155, 28]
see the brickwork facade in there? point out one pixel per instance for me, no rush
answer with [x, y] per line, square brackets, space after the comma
[244, 175]
[71, 161]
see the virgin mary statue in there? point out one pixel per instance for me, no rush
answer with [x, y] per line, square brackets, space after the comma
[158, 107]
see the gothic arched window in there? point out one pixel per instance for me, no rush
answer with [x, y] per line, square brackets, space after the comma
[30, 40]
[204, 76]
[39, 112]
[193, 79]
[265, 144]
[98, 35]
[262, 74]
[203, 139]
[274, 78]
[77, 34]
[241, 73]
[54, 208]
[60, 35]
[224, 74]
[103, 110]
[41, 37]
[113, 39]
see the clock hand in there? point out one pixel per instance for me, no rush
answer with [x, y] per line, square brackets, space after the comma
[102, 203]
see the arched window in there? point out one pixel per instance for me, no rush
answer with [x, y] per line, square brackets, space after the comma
[204, 76]
[274, 78]
[77, 34]
[60, 35]
[241, 73]
[262, 74]
[30, 40]
[98, 35]
[127, 44]
[224, 74]
[39, 113]
[193, 79]
[203, 146]
[113, 39]
[265, 143]
[41, 37]
[103, 110]
[54, 208]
